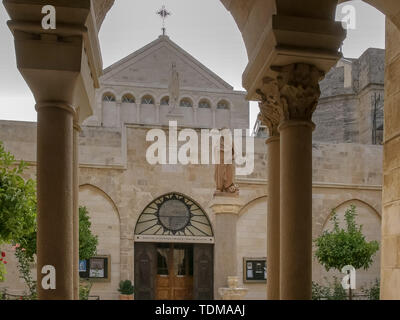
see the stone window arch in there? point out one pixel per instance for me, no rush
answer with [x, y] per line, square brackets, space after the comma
[147, 99]
[173, 214]
[108, 97]
[128, 98]
[186, 103]
[223, 105]
[164, 101]
[204, 104]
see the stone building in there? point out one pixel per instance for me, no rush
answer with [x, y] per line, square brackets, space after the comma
[158, 225]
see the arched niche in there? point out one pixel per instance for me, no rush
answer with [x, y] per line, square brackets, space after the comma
[105, 221]
[370, 219]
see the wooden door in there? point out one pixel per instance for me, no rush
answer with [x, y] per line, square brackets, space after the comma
[174, 280]
[203, 272]
[145, 271]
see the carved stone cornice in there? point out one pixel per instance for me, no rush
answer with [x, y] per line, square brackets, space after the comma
[270, 106]
[299, 90]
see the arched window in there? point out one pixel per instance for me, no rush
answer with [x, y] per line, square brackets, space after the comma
[186, 103]
[205, 104]
[173, 214]
[108, 97]
[128, 98]
[148, 100]
[223, 104]
[165, 101]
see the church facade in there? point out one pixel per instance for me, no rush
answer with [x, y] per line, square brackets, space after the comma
[156, 224]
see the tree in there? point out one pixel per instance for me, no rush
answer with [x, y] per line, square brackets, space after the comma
[17, 200]
[87, 241]
[341, 247]
[17, 205]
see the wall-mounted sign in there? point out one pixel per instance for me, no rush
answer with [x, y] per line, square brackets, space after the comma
[82, 265]
[96, 268]
[255, 270]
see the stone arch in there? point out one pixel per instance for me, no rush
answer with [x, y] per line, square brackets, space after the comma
[128, 94]
[105, 194]
[323, 219]
[106, 224]
[370, 218]
[147, 96]
[151, 209]
[186, 98]
[251, 202]
[205, 99]
[251, 230]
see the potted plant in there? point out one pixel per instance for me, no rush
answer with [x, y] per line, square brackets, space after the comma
[126, 290]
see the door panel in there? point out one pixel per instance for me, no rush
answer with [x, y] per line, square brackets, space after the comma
[145, 271]
[174, 280]
[203, 272]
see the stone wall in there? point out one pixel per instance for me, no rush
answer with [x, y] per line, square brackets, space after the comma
[117, 183]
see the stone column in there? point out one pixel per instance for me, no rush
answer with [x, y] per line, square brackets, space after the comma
[138, 107]
[214, 117]
[298, 86]
[226, 209]
[55, 197]
[77, 129]
[157, 112]
[118, 119]
[271, 115]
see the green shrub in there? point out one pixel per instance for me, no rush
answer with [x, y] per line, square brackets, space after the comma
[333, 291]
[373, 293]
[126, 287]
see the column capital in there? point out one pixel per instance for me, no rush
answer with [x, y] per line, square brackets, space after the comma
[270, 106]
[299, 90]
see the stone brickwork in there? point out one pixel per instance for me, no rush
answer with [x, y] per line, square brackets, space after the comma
[117, 183]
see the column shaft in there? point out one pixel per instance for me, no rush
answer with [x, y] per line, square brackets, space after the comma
[273, 218]
[296, 210]
[55, 198]
[76, 208]
[225, 250]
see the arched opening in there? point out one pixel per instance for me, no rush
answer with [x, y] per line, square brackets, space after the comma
[164, 101]
[204, 104]
[108, 97]
[186, 103]
[128, 98]
[147, 99]
[174, 249]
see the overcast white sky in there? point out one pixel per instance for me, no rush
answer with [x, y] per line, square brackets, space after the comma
[203, 28]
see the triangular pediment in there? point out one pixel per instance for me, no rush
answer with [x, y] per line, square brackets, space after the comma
[151, 67]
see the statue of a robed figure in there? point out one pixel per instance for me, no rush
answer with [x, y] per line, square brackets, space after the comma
[174, 90]
[225, 170]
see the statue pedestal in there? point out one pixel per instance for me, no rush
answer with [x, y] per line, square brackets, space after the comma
[226, 207]
[232, 292]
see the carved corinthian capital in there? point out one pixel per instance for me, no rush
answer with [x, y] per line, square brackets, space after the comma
[299, 90]
[270, 106]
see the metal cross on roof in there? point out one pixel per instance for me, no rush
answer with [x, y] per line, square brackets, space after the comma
[163, 13]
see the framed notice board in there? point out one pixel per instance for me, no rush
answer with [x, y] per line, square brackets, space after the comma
[97, 268]
[255, 270]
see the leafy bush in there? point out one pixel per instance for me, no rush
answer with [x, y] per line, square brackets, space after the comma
[84, 290]
[373, 293]
[333, 291]
[126, 287]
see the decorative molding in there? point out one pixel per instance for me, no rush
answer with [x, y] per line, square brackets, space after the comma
[299, 90]
[270, 106]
